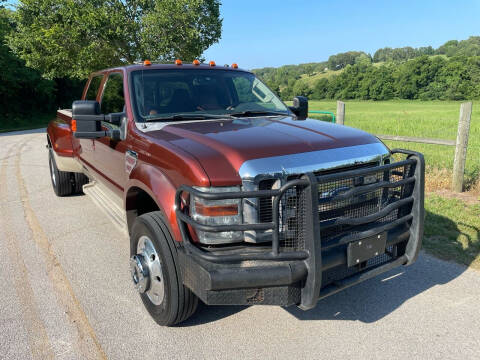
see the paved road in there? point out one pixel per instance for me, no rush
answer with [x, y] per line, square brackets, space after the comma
[65, 293]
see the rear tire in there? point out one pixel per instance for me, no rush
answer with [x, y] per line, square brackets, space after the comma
[61, 180]
[178, 302]
[79, 180]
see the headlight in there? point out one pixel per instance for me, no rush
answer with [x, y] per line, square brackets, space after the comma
[217, 212]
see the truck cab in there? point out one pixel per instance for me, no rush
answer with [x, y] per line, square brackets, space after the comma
[230, 196]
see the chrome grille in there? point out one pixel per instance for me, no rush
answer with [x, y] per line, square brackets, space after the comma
[330, 209]
[360, 205]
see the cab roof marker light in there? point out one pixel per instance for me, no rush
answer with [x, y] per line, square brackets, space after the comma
[178, 62]
[196, 62]
[235, 65]
[147, 63]
[212, 63]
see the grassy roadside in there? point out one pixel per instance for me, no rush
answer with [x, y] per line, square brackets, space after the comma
[452, 230]
[25, 123]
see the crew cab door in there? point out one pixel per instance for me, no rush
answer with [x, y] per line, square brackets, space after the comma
[109, 154]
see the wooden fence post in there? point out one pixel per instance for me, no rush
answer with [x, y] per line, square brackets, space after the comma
[340, 119]
[461, 146]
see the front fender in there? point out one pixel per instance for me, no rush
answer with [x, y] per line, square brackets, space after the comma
[152, 181]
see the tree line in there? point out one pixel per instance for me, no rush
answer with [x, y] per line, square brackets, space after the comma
[451, 72]
[23, 90]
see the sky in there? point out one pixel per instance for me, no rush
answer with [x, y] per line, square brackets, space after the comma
[273, 33]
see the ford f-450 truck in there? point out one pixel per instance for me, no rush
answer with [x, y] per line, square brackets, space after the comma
[230, 196]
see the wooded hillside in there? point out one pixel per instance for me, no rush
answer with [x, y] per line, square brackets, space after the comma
[451, 72]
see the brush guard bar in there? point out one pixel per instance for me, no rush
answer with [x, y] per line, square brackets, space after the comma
[316, 255]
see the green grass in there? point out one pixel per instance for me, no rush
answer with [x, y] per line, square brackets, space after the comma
[25, 123]
[452, 230]
[433, 119]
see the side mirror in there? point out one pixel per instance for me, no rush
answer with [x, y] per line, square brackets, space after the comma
[87, 120]
[300, 107]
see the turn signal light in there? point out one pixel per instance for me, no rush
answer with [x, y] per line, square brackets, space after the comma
[178, 62]
[216, 210]
[74, 125]
[147, 63]
[235, 66]
[212, 63]
[196, 62]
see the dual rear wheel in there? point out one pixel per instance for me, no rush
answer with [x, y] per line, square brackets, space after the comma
[65, 183]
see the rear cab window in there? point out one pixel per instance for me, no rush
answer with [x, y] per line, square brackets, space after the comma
[93, 87]
[113, 98]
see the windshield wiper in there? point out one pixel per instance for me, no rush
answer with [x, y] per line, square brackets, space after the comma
[179, 117]
[257, 112]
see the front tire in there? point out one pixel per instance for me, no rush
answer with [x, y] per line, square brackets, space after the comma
[156, 271]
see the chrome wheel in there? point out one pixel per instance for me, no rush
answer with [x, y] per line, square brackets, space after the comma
[146, 270]
[52, 172]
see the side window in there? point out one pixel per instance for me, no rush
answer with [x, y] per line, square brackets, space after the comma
[93, 88]
[113, 100]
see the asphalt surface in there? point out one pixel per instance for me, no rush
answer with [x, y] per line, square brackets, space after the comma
[65, 293]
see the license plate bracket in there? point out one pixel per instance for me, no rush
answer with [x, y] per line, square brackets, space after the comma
[365, 249]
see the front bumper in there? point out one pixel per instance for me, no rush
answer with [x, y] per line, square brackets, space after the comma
[314, 268]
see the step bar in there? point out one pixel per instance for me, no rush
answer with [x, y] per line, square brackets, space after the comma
[107, 202]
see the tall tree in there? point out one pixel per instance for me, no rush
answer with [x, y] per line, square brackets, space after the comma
[75, 37]
[21, 89]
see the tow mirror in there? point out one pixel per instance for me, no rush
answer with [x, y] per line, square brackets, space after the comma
[300, 107]
[87, 121]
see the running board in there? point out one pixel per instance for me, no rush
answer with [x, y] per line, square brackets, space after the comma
[108, 203]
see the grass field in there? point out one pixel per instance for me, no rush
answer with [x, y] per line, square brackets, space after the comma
[433, 119]
[452, 230]
[25, 123]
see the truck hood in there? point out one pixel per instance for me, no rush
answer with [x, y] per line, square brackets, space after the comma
[222, 146]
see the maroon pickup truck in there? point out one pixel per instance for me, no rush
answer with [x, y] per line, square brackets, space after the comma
[230, 196]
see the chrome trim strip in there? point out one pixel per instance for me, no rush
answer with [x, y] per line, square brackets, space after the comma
[279, 166]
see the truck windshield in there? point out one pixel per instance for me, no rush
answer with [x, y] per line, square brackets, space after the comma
[191, 93]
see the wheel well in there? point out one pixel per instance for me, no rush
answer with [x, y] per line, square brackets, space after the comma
[138, 202]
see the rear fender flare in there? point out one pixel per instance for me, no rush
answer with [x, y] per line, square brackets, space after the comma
[60, 136]
[59, 140]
